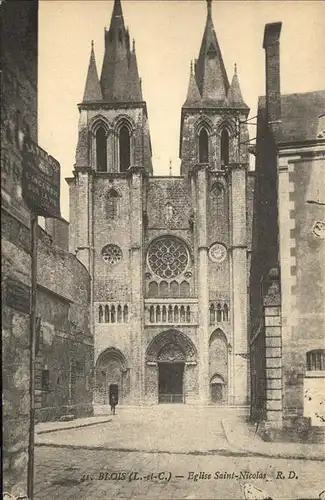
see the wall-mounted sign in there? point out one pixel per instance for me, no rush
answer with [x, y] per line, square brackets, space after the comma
[40, 180]
[17, 295]
[217, 253]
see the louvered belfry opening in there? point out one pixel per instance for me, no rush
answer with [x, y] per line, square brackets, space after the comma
[203, 146]
[125, 148]
[101, 150]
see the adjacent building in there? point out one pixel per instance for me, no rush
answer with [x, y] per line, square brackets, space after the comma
[65, 345]
[287, 281]
[168, 255]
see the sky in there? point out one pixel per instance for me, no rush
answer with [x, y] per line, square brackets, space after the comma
[167, 35]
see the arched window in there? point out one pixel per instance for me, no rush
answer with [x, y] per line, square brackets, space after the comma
[100, 314]
[125, 148]
[176, 317]
[125, 314]
[170, 314]
[219, 313]
[164, 314]
[224, 148]
[185, 289]
[203, 146]
[152, 314]
[153, 289]
[174, 289]
[112, 204]
[158, 314]
[113, 314]
[106, 314]
[182, 314]
[163, 289]
[188, 314]
[101, 150]
[316, 360]
[225, 312]
[119, 313]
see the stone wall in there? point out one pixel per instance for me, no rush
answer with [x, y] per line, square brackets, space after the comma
[18, 115]
[66, 348]
[304, 275]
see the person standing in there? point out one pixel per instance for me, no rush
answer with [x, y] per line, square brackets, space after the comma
[113, 403]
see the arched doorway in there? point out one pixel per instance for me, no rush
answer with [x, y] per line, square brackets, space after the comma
[171, 371]
[111, 375]
[171, 363]
[217, 390]
[218, 367]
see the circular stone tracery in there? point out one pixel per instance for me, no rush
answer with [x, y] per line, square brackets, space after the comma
[168, 257]
[112, 254]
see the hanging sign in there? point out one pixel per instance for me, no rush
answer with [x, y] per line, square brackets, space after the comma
[40, 180]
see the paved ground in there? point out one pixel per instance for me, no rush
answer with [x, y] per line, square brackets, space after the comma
[92, 463]
[60, 473]
[173, 428]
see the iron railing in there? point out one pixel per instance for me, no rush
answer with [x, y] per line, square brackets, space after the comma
[171, 398]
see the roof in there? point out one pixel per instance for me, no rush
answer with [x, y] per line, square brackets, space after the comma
[210, 72]
[299, 115]
[92, 88]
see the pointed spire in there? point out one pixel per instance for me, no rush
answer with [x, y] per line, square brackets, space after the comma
[133, 92]
[193, 97]
[92, 88]
[119, 78]
[117, 15]
[235, 97]
[210, 73]
[209, 8]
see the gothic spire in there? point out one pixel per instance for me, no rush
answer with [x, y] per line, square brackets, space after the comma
[133, 90]
[211, 74]
[117, 19]
[116, 57]
[235, 97]
[119, 78]
[193, 95]
[92, 88]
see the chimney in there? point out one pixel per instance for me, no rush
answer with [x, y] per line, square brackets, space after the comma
[271, 46]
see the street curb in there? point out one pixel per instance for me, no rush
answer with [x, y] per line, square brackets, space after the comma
[286, 456]
[47, 431]
[222, 452]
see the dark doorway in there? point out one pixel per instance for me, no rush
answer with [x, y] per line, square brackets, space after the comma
[113, 391]
[171, 382]
[217, 393]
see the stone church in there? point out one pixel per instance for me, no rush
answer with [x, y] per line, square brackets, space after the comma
[168, 255]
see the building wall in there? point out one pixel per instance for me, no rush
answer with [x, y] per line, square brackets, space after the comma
[63, 283]
[113, 283]
[18, 115]
[66, 345]
[303, 277]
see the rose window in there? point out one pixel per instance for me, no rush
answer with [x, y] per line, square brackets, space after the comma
[112, 254]
[168, 257]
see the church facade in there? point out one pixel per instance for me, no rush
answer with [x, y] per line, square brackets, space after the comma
[168, 255]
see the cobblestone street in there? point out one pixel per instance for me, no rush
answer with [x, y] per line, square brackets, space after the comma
[60, 473]
[95, 462]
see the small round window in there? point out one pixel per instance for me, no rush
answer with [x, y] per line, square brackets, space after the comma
[112, 254]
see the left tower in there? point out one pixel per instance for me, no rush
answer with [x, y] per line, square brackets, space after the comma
[113, 157]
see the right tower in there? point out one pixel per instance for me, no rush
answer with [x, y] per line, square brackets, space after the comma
[214, 158]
